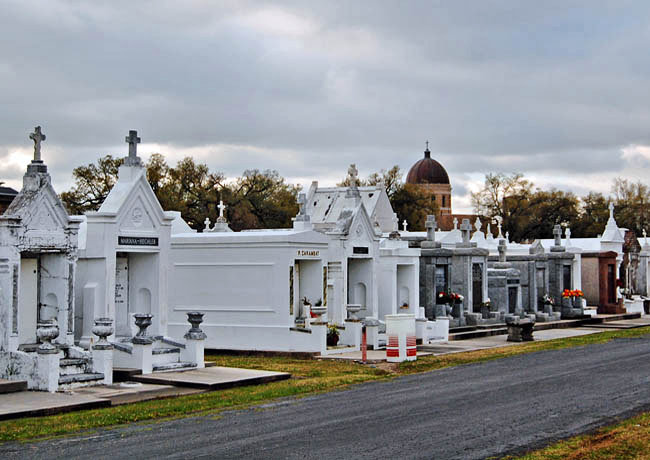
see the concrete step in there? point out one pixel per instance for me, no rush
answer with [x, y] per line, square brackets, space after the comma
[67, 382]
[73, 366]
[478, 333]
[165, 355]
[178, 366]
[12, 386]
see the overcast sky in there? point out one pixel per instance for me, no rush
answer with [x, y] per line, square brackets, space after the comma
[558, 90]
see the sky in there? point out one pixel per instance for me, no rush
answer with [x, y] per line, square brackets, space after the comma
[556, 90]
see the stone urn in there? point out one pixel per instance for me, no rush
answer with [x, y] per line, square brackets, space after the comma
[195, 318]
[142, 321]
[353, 309]
[103, 328]
[319, 310]
[46, 332]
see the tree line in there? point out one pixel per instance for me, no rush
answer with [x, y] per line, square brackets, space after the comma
[529, 212]
[263, 199]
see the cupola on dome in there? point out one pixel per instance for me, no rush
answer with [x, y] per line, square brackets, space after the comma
[427, 171]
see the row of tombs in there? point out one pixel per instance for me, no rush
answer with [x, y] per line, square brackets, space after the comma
[133, 286]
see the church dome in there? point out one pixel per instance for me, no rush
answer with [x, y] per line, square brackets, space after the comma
[427, 171]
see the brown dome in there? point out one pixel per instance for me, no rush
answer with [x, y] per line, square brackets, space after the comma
[427, 171]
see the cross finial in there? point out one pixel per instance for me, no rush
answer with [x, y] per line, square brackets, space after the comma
[133, 140]
[222, 208]
[502, 250]
[557, 234]
[352, 174]
[207, 224]
[405, 224]
[507, 237]
[427, 142]
[465, 228]
[611, 210]
[37, 136]
[455, 223]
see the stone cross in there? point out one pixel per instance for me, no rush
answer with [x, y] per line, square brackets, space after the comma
[352, 174]
[207, 224]
[477, 224]
[455, 223]
[611, 210]
[222, 208]
[405, 224]
[502, 250]
[557, 234]
[133, 140]
[499, 219]
[37, 136]
[567, 236]
[507, 237]
[465, 228]
[430, 225]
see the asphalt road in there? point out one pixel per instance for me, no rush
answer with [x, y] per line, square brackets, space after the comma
[465, 412]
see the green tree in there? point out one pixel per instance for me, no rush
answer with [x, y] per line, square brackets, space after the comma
[92, 183]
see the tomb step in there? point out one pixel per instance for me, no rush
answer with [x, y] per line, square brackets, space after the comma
[454, 330]
[178, 366]
[164, 350]
[12, 386]
[166, 355]
[73, 366]
[478, 333]
[67, 382]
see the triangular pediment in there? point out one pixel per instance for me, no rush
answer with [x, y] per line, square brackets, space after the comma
[44, 213]
[362, 228]
[138, 216]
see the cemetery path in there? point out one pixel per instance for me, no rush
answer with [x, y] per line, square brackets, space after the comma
[470, 411]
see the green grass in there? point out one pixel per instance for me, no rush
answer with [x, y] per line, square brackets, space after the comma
[626, 440]
[308, 377]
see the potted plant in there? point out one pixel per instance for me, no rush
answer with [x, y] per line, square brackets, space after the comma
[404, 306]
[548, 303]
[332, 335]
[486, 307]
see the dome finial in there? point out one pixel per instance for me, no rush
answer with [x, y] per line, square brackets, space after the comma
[427, 153]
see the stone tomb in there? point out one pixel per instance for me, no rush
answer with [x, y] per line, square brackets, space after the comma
[38, 255]
[353, 254]
[504, 287]
[123, 273]
[260, 289]
[461, 269]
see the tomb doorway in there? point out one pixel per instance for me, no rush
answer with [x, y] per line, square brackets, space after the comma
[477, 287]
[28, 300]
[360, 284]
[309, 280]
[135, 281]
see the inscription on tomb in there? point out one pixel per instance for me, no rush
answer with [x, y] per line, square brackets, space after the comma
[360, 250]
[137, 241]
[308, 253]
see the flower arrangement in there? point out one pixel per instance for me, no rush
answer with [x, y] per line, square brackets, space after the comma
[404, 305]
[450, 298]
[547, 299]
[567, 293]
[487, 303]
[332, 335]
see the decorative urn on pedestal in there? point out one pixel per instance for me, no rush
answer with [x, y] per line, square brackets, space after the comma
[353, 309]
[46, 332]
[143, 321]
[103, 328]
[195, 319]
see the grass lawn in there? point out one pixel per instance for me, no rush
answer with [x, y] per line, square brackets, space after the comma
[308, 377]
[627, 440]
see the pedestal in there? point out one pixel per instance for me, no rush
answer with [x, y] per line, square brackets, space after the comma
[142, 356]
[194, 352]
[48, 370]
[103, 363]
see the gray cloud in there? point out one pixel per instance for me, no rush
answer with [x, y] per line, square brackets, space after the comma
[494, 85]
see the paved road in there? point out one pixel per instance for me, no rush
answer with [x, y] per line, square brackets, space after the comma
[465, 412]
